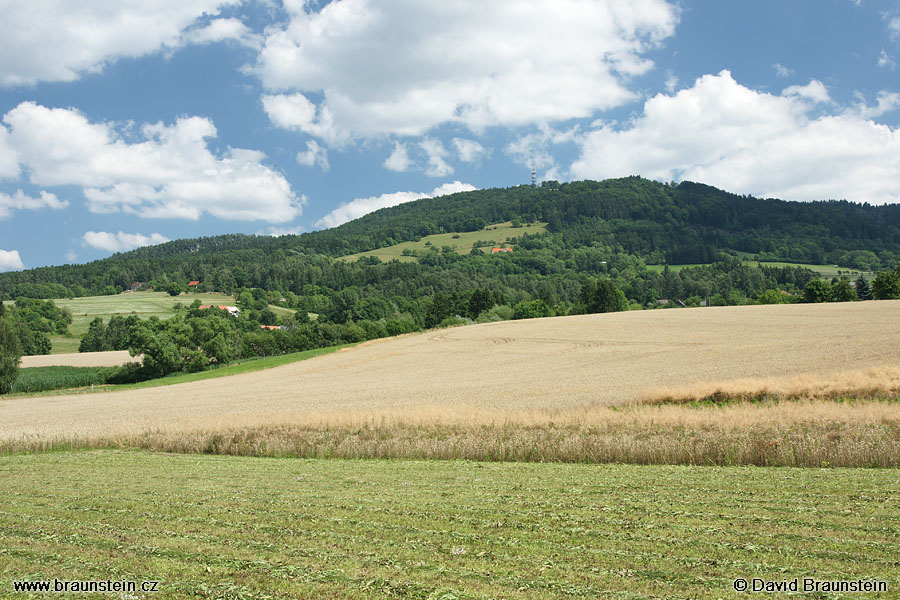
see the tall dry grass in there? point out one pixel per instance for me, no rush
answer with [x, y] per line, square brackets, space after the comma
[802, 433]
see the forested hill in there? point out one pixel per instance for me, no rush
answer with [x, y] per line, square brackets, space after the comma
[633, 218]
[686, 223]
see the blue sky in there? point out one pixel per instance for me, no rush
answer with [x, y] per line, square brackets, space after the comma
[131, 122]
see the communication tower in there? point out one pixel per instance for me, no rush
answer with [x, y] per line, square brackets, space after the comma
[533, 177]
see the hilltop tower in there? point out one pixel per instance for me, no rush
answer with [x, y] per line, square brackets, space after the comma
[533, 177]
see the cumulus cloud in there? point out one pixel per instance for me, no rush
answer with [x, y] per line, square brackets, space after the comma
[59, 40]
[121, 241]
[399, 160]
[10, 260]
[280, 231]
[363, 206]
[814, 91]
[404, 66]
[170, 174]
[314, 155]
[219, 30]
[436, 153]
[724, 134]
[20, 201]
[885, 60]
[534, 150]
[887, 102]
[468, 150]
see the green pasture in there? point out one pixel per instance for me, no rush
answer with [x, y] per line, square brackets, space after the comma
[825, 271]
[463, 242]
[144, 304]
[208, 526]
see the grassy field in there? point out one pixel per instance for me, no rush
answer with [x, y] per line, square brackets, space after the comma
[463, 242]
[251, 528]
[144, 304]
[826, 271]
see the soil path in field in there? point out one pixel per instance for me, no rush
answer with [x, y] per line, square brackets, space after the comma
[540, 363]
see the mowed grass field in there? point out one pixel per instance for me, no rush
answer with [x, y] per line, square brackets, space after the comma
[462, 242]
[144, 304]
[826, 271]
[593, 388]
[256, 528]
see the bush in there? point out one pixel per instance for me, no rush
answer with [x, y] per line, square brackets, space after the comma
[532, 309]
[10, 355]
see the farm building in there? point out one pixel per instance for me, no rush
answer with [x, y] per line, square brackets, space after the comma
[234, 310]
[193, 283]
[498, 250]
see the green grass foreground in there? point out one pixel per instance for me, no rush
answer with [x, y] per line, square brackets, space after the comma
[254, 528]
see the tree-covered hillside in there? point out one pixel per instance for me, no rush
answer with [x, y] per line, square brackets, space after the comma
[609, 228]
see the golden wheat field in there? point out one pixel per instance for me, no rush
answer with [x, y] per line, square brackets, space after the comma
[535, 365]
[113, 358]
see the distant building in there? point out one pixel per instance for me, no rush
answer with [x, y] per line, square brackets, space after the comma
[193, 283]
[233, 310]
[498, 250]
[270, 327]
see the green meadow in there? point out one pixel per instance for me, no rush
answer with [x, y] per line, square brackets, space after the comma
[253, 528]
[463, 243]
[826, 271]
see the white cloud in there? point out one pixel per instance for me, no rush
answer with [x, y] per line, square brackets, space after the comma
[59, 40]
[10, 260]
[887, 102]
[724, 134]
[671, 82]
[469, 150]
[399, 159]
[296, 112]
[121, 241]
[885, 60]
[170, 174]
[780, 70]
[19, 201]
[314, 155]
[219, 30]
[436, 153]
[814, 91]
[533, 150]
[894, 26]
[280, 231]
[71, 256]
[363, 206]
[404, 66]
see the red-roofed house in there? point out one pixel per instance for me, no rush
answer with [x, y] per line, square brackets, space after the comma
[193, 283]
[496, 250]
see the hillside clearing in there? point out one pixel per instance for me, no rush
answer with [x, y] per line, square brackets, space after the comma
[462, 242]
[227, 527]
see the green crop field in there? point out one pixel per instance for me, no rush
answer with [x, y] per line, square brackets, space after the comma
[463, 243]
[229, 527]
